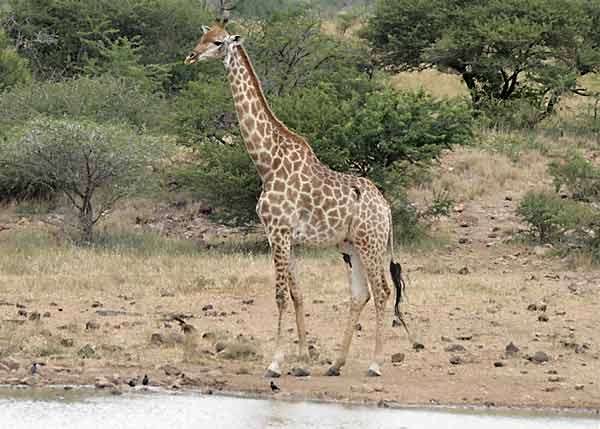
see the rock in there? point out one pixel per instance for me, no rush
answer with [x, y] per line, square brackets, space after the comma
[459, 208]
[87, 352]
[532, 307]
[543, 318]
[445, 339]
[248, 301]
[499, 364]
[463, 240]
[511, 349]
[418, 346]
[455, 348]
[92, 325]
[10, 363]
[96, 304]
[300, 372]
[167, 293]
[358, 327]
[455, 360]
[579, 387]
[208, 307]
[171, 370]
[463, 271]
[67, 342]
[465, 337]
[103, 383]
[313, 352]
[220, 346]
[22, 313]
[396, 323]
[46, 314]
[209, 336]
[109, 313]
[542, 251]
[34, 315]
[550, 389]
[555, 379]
[539, 357]
[398, 357]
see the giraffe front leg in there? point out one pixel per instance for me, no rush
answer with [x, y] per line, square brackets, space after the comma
[280, 247]
[298, 301]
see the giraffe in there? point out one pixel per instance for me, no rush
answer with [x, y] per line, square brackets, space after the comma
[304, 202]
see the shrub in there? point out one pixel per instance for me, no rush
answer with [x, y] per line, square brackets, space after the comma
[93, 166]
[13, 69]
[554, 219]
[579, 176]
[105, 99]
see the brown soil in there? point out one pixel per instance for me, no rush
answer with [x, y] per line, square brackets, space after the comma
[468, 299]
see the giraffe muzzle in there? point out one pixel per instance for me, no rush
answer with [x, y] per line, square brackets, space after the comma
[191, 58]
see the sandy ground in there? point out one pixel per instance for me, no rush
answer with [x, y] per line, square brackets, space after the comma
[107, 318]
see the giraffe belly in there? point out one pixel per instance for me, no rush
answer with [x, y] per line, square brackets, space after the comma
[317, 235]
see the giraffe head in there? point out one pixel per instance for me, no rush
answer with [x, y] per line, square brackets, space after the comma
[214, 43]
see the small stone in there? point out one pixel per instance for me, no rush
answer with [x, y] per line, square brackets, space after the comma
[358, 327]
[171, 370]
[539, 357]
[543, 318]
[446, 339]
[418, 346]
[248, 301]
[465, 337]
[463, 271]
[555, 379]
[46, 314]
[453, 348]
[398, 357]
[208, 307]
[532, 307]
[463, 240]
[22, 313]
[550, 389]
[511, 349]
[34, 315]
[456, 360]
[167, 293]
[499, 364]
[300, 372]
[92, 325]
[220, 346]
[96, 304]
[396, 323]
[579, 387]
[157, 339]
[86, 352]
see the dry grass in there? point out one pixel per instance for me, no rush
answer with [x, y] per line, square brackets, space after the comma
[431, 81]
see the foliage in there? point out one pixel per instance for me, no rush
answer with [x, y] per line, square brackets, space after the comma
[93, 166]
[13, 68]
[532, 50]
[579, 176]
[104, 99]
[60, 37]
[552, 217]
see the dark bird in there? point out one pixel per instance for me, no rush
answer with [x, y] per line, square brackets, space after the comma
[131, 382]
[146, 380]
[34, 368]
[275, 388]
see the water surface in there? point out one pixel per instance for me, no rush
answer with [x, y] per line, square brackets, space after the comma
[85, 409]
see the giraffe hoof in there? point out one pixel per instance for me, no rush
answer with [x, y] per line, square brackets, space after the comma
[333, 372]
[373, 373]
[272, 374]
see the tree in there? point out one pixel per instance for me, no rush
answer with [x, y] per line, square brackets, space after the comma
[504, 50]
[93, 166]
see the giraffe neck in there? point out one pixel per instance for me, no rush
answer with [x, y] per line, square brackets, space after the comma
[261, 130]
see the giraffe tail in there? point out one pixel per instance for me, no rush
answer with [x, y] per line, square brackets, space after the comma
[397, 279]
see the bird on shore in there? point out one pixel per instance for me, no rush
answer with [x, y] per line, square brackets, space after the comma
[145, 380]
[275, 388]
[34, 368]
[132, 382]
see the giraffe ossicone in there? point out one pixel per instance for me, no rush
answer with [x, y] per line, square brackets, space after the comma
[305, 202]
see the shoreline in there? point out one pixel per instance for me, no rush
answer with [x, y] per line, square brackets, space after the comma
[500, 410]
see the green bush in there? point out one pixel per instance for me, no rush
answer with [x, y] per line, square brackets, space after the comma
[92, 165]
[579, 176]
[554, 219]
[13, 69]
[105, 99]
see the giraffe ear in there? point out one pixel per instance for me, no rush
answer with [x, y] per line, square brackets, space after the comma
[205, 29]
[234, 39]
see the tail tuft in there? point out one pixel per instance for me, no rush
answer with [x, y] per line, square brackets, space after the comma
[400, 285]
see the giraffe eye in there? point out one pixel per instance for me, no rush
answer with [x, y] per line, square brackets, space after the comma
[218, 43]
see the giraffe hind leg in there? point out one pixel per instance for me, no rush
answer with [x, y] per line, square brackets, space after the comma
[360, 295]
